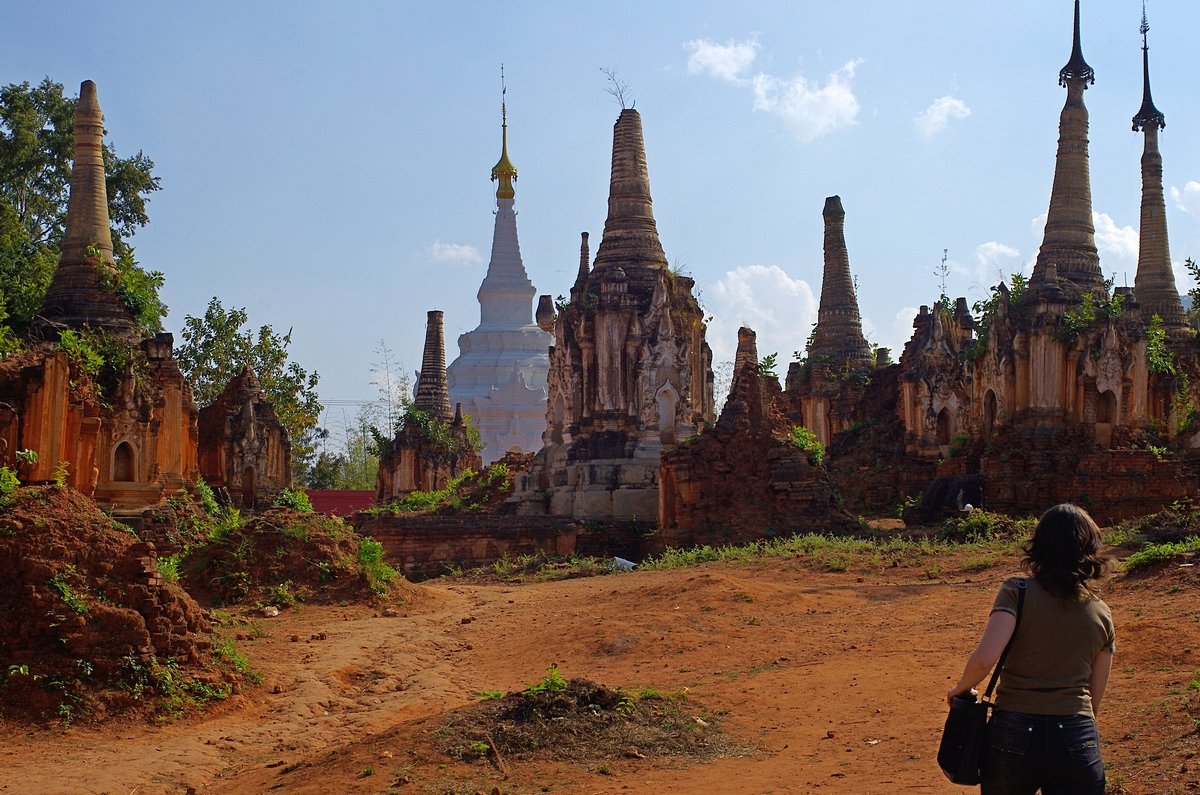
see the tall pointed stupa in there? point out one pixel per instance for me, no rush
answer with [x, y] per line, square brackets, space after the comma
[500, 373]
[1154, 287]
[630, 371]
[431, 394]
[78, 295]
[1069, 244]
[630, 233]
[838, 336]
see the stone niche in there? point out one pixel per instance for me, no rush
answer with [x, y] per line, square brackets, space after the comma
[245, 453]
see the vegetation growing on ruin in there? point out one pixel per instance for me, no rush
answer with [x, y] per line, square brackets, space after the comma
[37, 144]
[984, 313]
[467, 492]
[807, 441]
[1082, 317]
[216, 347]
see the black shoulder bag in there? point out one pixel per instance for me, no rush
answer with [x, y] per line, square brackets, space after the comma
[966, 726]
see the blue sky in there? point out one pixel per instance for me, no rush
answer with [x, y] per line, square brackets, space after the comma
[325, 165]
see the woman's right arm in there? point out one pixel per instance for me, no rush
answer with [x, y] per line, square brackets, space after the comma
[1098, 681]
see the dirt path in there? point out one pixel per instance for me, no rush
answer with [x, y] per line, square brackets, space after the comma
[836, 679]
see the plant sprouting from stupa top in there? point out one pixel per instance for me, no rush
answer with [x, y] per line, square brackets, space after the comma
[617, 88]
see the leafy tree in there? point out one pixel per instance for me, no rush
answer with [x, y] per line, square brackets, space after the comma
[216, 347]
[37, 145]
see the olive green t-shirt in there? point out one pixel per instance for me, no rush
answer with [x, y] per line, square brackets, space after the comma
[1050, 663]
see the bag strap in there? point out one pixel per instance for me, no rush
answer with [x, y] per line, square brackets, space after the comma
[1004, 655]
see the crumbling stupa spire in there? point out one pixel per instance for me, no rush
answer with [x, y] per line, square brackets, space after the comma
[1154, 287]
[630, 233]
[584, 262]
[1069, 241]
[78, 295]
[747, 350]
[432, 396]
[838, 336]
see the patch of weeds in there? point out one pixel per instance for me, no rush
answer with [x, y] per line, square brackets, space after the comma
[296, 499]
[60, 584]
[1157, 553]
[552, 682]
[370, 561]
[225, 649]
[488, 695]
[282, 595]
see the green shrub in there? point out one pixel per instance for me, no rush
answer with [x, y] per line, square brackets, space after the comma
[807, 441]
[296, 499]
[9, 482]
[208, 499]
[371, 563]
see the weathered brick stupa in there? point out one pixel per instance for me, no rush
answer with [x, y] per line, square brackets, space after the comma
[824, 389]
[1154, 285]
[499, 376]
[630, 371]
[1069, 243]
[745, 478]
[127, 434]
[244, 448]
[79, 293]
[432, 444]
[1062, 357]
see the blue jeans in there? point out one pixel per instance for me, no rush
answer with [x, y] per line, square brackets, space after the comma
[1059, 753]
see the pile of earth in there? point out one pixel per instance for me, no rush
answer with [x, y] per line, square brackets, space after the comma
[1168, 526]
[284, 556]
[581, 720]
[88, 625]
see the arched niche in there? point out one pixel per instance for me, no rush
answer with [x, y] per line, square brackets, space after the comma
[989, 414]
[249, 477]
[944, 426]
[1106, 416]
[667, 399]
[124, 463]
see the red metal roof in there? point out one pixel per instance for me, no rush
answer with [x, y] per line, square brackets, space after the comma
[340, 502]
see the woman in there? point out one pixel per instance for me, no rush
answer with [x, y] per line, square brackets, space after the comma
[1043, 729]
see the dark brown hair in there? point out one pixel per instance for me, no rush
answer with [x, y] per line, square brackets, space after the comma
[1064, 552]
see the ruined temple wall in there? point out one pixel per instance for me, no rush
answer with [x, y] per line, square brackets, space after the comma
[1113, 485]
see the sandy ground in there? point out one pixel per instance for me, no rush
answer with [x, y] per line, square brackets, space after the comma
[836, 679]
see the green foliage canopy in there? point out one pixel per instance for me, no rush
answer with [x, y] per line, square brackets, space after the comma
[216, 347]
[37, 145]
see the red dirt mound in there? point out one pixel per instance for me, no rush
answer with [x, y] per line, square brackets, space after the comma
[283, 556]
[86, 619]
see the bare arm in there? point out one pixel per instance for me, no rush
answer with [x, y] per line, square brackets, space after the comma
[1098, 681]
[999, 629]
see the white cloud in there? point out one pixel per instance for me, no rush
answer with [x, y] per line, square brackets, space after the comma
[722, 61]
[937, 116]
[1188, 199]
[453, 253]
[809, 109]
[1183, 279]
[1118, 247]
[780, 309]
[995, 262]
[900, 332]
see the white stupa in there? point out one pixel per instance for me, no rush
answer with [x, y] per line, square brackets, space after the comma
[500, 373]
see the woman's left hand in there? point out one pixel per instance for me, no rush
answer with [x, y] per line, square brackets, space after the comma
[960, 690]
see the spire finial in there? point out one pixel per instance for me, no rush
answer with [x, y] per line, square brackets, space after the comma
[504, 171]
[1076, 67]
[1147, 115]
